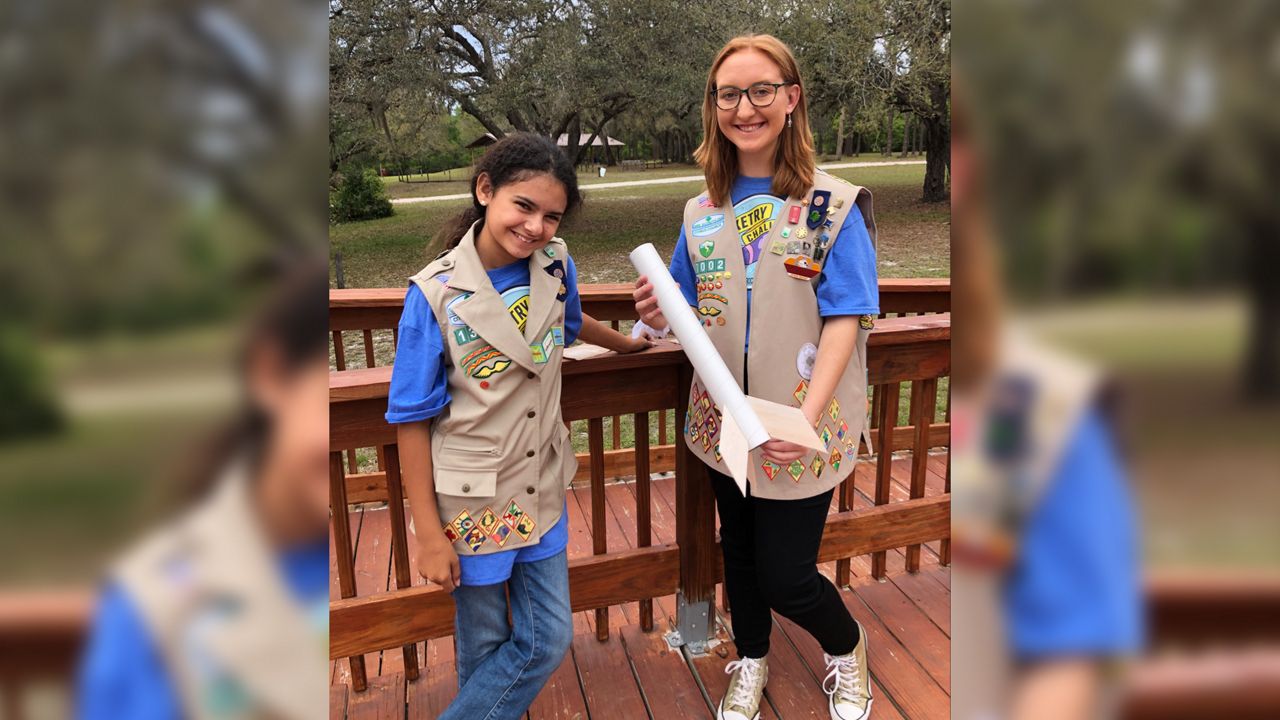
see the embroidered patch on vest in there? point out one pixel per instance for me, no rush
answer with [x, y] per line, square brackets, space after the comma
[708, 225]
[834, 462]
[485, 362]
[474, 538]
[844, 429]
[826, 437]
[834, 409]
[463, 523]
[816, 466]
[448, 310]
[488, 520]
[524, 527]
[778, 247]
[451, 533]
[512, 514]
[705, 202]
[801, 391]
[706, 247]
[804, 360]
[464, 335]
[867, 322]
[550, 251]
[556, 270]
[771, 469]
[851, 449]
[500, 534]
[542, 351]
[817, 208]
[795, 470]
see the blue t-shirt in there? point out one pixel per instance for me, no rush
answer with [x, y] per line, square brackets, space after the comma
[420, 391]
[847, 284]
[122, 673]
[1079, 591]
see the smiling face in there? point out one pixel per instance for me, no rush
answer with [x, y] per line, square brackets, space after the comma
[520, 217]
[754, 130]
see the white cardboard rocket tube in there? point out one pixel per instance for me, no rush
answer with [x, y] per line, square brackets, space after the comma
[742, 428]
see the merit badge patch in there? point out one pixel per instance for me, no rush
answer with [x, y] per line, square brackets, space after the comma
[524, 527]
[501, 534]
[778, 247]
[851, 449]
[488, 520]
[795, 470]
[705, 202]
[550, 251]
[708, 225]
[771, 469]
[867, 322]
[826, 436]
[474, 538]
[706, 247]
[451, 533]
[716, 450]
[816, 466]
[844, 429]
[463, 523]
[834, 409]
[834, 462]
[542, 351]
[801, 391]
[512, 514]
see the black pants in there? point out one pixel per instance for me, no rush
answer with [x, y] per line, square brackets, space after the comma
[771, 562]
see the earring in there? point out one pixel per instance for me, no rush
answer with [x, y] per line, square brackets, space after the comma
[788, 119]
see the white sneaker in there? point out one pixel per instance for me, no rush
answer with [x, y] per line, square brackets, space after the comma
[848, 683]
[742, 700]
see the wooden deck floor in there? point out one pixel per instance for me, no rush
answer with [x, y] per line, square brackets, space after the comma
[634, 675]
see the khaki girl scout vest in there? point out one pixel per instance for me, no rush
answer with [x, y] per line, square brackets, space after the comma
[500, 452]
[785, 329]
[235, 642]
[1035, 399]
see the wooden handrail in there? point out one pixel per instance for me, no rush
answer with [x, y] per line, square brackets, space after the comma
[379, 308]
[905, 349]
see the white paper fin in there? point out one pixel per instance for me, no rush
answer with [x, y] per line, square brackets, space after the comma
[785, 423]
[734, 450]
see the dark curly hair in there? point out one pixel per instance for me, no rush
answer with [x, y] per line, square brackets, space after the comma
[514, 158]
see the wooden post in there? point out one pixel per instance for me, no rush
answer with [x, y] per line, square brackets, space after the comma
[644, 532]
[342, 550]
[339, 352]
[599, 536]
[695, 535]
[399, 543]
[944, 556]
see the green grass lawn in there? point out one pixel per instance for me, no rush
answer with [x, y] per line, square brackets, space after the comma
[914, 237]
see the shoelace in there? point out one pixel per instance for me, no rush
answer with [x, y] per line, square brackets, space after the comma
[744, 689]
[845, 673]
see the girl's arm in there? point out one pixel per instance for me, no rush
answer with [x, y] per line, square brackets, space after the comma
[597, 333]
[835, 347]
[437, 560]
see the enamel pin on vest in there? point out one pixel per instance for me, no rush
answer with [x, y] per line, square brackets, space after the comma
[748, 422]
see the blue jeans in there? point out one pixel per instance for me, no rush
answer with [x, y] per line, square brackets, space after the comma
[501, 667]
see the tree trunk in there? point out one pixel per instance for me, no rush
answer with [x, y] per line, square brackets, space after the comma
[906, 134]
[937, 147]
[840, 137]
[887, 148]
[1262, 355]
[857, 147]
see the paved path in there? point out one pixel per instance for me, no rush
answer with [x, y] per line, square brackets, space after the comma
[660, 181]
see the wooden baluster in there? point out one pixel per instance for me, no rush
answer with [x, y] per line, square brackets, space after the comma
[662, 428]
[644, 535]
[884, 460]
[924, 401]
[368, 348]
[342, 549]
[353, 463]
[339, 352]
[617, 421]
[599, 536]
[399, 544]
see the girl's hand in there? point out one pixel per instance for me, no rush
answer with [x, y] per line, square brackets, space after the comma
[630, 344]
[783, 452]
[437, 561]
[647, 304]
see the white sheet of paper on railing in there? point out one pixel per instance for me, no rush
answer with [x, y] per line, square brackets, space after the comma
[747, 422]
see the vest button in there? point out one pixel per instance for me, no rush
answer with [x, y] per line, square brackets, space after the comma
[529, 375]
[531, 490]
[529, 454]
[466, 488]
[532, 413]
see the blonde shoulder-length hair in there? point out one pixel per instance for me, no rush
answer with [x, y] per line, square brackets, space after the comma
[794, 165]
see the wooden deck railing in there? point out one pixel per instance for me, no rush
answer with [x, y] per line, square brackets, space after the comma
[915, 350]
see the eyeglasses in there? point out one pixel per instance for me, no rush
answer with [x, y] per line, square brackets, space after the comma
[761, 94]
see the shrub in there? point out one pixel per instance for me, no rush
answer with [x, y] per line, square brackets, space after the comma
[361, 196]
[27, 403]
